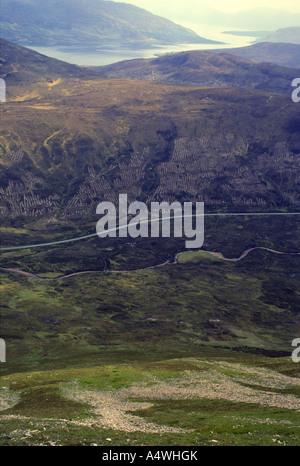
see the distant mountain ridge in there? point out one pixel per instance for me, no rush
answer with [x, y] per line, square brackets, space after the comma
[288, 35]
[87, 23]
[282, 54]
[260, 18]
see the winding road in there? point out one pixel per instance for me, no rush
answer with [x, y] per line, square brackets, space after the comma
[218, 255]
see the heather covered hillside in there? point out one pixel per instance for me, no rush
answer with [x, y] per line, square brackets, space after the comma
[205, 68]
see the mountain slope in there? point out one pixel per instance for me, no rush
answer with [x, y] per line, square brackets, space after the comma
[205, 69]
[278, 53]
[86, 23]
[19, 65]
[287, 35]
[29, 74]
[67, 144]
[70, 137]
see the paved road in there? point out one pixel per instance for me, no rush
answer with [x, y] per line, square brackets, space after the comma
[79, 238]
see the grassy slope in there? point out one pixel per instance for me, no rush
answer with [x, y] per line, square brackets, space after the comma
[45, 408]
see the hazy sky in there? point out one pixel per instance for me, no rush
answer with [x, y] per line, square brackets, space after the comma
[222, 5]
